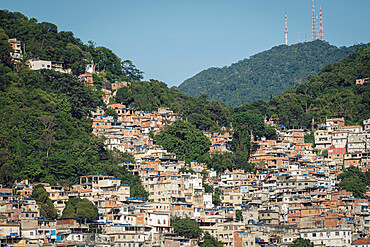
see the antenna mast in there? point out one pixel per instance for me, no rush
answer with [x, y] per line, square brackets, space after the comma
[317, 27]
[321, 28]
[286, 29]
[298, 37]
[313, 37]
[305, 37]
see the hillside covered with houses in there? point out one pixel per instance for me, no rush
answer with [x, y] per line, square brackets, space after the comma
[92, 155]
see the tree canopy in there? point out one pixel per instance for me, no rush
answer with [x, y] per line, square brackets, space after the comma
[42, 199]
[184, 140]
[301, 242]
[45, 42]
[77, 208]
[332, 93]
[186, 227]
[46, 133]
[209, 241]
[189, 228]
[352, 179]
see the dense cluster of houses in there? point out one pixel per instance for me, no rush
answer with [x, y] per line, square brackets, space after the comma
[292, 193]
[129, 132]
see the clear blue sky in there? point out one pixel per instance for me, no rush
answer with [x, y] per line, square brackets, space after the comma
[172, 40]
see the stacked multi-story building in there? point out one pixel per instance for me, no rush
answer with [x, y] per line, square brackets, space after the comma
[17, 53]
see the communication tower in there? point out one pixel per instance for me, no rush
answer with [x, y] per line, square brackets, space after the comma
[286, 29]
[313, 36]
[321, 37]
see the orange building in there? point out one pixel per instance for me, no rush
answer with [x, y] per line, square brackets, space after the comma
[87, 79]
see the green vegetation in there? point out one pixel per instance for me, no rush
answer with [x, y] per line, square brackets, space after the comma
[136, 188]
[354, 180]
[43, 41]
[46, 136]
[265, 74]
[332, 92]
[207, 188]
[186, 170]
[46, 133]
[222, 161]
[184, 140]
[186, 227]
[216, 197]
[245, 124]
[301, 242]
[5, 50]
[189, 228]
[78, 208]
[239, 214]
[149, 96]
[111, 112]
[310, 138]
[219, 161]
[42, 199]
[45, 130]
[209, 241]
[94, 228]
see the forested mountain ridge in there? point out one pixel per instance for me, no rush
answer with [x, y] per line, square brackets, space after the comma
[333, 92]
[265, 74]
[43, 41]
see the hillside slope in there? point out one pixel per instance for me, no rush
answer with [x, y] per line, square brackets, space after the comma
[45, 129]
[45, 42]
[265, 74]
[333, 92]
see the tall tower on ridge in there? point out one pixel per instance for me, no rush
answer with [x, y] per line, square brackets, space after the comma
[298, 37]
[313, 36]
[317, 27]
[286, 29]
[305, 37]
[321, 35]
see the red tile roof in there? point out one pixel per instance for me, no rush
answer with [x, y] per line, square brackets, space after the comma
[361, 241]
